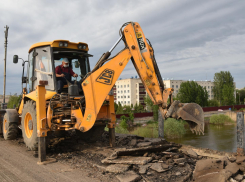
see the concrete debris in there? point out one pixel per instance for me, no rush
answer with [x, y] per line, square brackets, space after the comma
[180, 160]
[144, 144]
[192, 153]
[128, 160]
[149, 174]
[158, 167]
[129, 176]
[207, 170]
[142, 150]
[157, 141]
[239, 177]
[182, 164]
[178, 173]
[169, 161]
[165, 166]
[240, 159]
[233, 180]
[232, 167]
[242, 167]
[117, 168]
[133, 142]
[232, 159]
[215, 170]
[208, 154]
[143, 168]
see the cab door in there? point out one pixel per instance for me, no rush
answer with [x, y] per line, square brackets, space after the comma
[43, 68]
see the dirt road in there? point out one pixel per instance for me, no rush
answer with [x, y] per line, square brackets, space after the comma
[18, 164]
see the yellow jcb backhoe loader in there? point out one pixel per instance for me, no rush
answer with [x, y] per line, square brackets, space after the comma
[87, 105]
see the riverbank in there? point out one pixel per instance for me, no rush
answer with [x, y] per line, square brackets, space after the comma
[216, 137]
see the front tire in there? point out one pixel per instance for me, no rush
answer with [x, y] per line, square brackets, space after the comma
[29, 125]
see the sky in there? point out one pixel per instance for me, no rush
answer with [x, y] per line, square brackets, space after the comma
[192, 39]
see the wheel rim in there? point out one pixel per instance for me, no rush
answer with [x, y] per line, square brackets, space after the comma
[27, 123]
[5, 126]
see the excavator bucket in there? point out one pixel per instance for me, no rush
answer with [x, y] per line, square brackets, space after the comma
[190, 112]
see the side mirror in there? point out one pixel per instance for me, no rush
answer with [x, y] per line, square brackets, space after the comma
[15, 59]
[24, 79]
[76, 64]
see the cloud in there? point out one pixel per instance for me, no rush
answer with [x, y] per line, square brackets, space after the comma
[192, 39]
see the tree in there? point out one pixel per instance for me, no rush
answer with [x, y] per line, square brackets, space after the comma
[126, 109]
[138, 108]
[213, 103]
[13, 101]
[115, 107]
[149, 103]
[223, 87]
[119, 109]
[141, 108]
[190, 91]
[151, 107]
[240, 96]
[228, 95]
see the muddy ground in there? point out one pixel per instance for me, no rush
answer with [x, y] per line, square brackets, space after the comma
[142, 159]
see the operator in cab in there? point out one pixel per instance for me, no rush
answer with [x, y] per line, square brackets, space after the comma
[63, 73]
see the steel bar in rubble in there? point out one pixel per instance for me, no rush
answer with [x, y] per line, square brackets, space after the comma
[240, 133]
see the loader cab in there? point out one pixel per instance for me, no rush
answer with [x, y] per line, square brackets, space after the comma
[45, 57]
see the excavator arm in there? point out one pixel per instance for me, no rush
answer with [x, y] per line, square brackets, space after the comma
[98, 83]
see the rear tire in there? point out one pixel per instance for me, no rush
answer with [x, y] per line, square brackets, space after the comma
[10, 129]
[29, 125]
[93, 135]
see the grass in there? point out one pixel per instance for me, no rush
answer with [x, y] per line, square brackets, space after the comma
[121, 130]
[148, 131]
[206, 118]
[172, 129]
[221, 119]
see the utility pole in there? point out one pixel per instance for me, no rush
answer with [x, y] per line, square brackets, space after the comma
[5, 60]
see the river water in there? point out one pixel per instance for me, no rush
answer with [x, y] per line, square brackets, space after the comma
[216, 137]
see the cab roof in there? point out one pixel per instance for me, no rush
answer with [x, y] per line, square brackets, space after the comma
[55, 43]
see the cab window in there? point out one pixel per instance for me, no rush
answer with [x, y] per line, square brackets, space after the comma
[77, 61]
[30, 71]
[43, 69]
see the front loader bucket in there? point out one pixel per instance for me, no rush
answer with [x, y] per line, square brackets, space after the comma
[190, 112]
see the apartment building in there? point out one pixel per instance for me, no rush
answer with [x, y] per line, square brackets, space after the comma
[175, 84]
[129, 91]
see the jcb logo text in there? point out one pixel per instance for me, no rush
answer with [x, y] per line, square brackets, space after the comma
[106, 77]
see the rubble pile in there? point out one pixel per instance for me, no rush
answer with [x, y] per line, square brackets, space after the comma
[150, 160]
[133, 159]
[146, 159]
[158, 160]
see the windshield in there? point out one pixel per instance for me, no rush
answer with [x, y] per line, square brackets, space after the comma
[78, 62]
